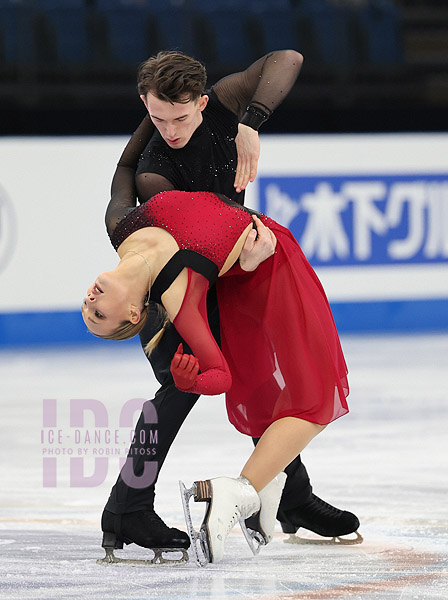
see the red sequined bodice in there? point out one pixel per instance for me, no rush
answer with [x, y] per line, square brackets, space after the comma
[198, 221]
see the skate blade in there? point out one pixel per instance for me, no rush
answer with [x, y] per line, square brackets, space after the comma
[157, 560]
[199, 542]
[254, 538]
[335, 541]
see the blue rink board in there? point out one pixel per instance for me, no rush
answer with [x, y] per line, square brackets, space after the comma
[401, 316]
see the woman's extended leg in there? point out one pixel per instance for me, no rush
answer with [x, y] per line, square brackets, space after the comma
[282, 441]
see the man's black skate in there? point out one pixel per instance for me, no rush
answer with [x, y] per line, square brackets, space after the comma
[322, 518]
[144, 528]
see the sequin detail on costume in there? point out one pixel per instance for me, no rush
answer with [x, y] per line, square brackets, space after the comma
[207, 162]
[194, 227]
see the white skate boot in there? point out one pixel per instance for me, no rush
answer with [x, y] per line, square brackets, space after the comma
[259, 529]
[229, 501]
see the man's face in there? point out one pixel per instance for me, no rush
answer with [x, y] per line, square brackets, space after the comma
[176, 122]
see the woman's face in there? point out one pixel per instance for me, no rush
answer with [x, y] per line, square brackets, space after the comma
[106, 305]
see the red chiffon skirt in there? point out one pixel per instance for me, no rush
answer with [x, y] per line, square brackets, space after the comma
[280, 341]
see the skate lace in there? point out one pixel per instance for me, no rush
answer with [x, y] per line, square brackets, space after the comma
[153, 519]
[322, 507]
[237, 515]
[235, 518]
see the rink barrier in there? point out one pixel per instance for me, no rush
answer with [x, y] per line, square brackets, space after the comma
[399, 316]
[370, 213]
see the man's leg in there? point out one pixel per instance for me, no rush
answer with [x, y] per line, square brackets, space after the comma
[151, 445]
[299, 507]
[129, 513]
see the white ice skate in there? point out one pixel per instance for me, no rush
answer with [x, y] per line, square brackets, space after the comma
[263, 523]
[229, 501]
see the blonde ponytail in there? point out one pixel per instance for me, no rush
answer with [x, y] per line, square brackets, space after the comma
[153, 342]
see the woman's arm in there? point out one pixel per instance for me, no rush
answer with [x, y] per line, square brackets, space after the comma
[192, 324]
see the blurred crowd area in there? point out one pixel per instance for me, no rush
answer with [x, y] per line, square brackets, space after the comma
[69, 66]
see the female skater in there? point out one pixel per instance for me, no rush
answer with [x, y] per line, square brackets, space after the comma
[281, 363]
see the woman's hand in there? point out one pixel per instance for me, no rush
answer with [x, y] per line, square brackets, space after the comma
[259, 246]
[184, 369]
[248, 152]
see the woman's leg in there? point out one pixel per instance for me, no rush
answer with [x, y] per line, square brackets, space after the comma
[238, 499]
[282, 441]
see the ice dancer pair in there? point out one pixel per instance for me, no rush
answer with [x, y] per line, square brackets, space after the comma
[230, 501]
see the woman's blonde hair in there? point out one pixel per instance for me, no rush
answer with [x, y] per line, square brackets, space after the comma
[164, 321]
[127, 330]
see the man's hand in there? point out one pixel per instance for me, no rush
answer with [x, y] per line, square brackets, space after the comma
[257, 249]
[248, 151]
[184, 369]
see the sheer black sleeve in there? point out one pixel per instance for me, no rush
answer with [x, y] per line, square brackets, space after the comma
[123, 189]
[263, 85]
[150, 184]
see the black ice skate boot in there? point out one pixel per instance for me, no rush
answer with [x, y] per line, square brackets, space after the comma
[322, 518]
[144, 528]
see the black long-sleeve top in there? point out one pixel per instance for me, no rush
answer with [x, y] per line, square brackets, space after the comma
[208, 161]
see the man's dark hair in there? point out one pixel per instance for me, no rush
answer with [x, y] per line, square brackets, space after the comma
[172, 76]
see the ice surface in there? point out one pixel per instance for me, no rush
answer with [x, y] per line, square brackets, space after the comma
[387, 461]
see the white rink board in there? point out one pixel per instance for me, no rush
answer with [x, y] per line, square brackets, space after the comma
[54, 191]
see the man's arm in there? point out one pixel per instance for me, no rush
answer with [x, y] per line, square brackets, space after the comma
[150, 184]
[261, 87]
[123, 189]
[253, 95]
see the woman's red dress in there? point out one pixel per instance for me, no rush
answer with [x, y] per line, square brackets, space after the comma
[281, 355]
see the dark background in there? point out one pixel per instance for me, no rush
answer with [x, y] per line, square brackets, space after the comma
[69, 67]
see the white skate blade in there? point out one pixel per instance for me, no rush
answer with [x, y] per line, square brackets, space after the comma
[254, 538]
[199, 542]
[334, 541]
[157, 560]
